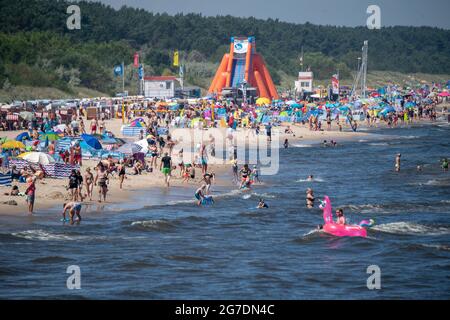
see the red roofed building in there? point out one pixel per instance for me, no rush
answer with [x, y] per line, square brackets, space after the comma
[160, 87]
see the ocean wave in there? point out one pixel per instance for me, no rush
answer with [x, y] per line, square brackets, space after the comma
[159, 225]
[43, 235]
[438, 182]
[379, 144]
[306, 180]
[300, 145]
[409, 228]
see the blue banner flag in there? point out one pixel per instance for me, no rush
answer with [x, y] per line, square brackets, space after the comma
[118, 70]
[141, 72]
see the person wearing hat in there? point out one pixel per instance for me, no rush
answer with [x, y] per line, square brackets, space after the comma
[397, 162]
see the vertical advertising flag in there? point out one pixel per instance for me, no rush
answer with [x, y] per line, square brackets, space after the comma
[118, 70]
[136, 60]
[141, 72]
[175, 59]
[335, 83]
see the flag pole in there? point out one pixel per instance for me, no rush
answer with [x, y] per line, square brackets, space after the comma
[123, 77]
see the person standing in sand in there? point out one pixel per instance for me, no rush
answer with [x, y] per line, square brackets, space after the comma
[100, 179]
[166, 167]
[94, 124]
[397, 162]
[89, 180]
[122, 172]
[30, 192]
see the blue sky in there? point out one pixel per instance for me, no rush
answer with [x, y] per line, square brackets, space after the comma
[433, 13]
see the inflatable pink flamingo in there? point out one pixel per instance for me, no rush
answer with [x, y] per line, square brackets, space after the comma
[341, 230]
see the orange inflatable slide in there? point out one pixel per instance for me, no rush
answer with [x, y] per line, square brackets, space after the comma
[243, 64]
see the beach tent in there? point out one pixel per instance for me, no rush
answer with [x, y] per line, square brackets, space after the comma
[23, 136]
[37, 157]
[91, 141]
[13, 144]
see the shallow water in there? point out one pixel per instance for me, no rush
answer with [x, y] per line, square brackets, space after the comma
[161, 246]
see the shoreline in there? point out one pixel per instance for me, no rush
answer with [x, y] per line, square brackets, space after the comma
[50, 191]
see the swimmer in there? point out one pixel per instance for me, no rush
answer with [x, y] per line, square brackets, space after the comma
[397, 162]
[286, 143]
[200, 193]
[262, 204]
[74, 209]
[310, 198]
[445, 164]
[340, 216]
[419, 168]
[310, 178]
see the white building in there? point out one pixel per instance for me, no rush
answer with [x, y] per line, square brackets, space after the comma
[304, 82]
[160, 87]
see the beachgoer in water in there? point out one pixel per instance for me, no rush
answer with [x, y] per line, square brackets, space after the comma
[234, 165]
[245, 174]
[310, 198]
[74, 209]
[444, 164]
[397, 162]
[286, 143]
[262, 204]
[200, 193]
[207, 179]
[340, 216]
[310, 178]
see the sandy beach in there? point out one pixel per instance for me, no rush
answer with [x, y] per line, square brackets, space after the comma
[52, 193]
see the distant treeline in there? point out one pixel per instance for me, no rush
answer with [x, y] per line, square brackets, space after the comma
[36, 47]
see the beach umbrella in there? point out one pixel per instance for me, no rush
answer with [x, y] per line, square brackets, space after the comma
[91, 141]
[444, 94]
[127, 148]
[143, 144]
[60, 128]
[13, 144]
[22, 136]
[26, 115]
[262, 101]
[37, 157]
[50, 136]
